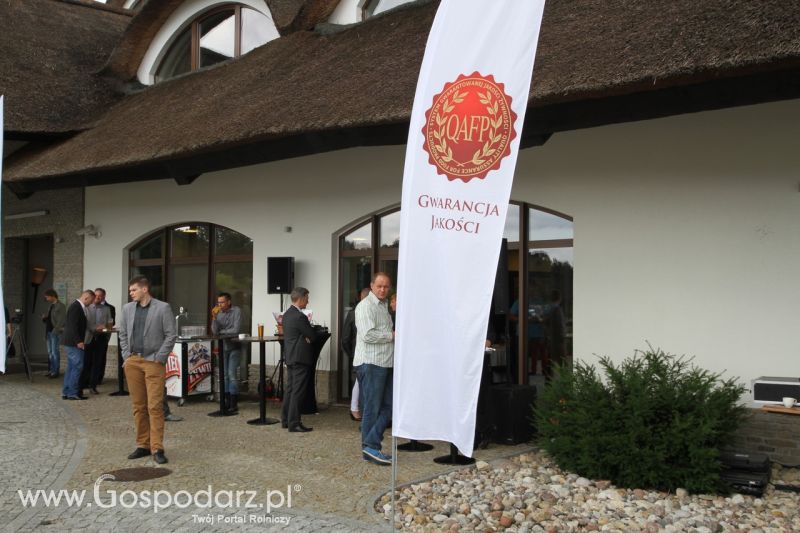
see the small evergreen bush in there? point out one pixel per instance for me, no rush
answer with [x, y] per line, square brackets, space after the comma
[656, 421]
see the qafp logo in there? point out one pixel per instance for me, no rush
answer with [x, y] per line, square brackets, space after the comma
[469, 127]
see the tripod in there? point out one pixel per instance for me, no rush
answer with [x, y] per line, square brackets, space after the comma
[16, 333]
[279, 371]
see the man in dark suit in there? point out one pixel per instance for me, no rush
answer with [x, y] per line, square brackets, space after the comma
[298, 336]
[75, 337]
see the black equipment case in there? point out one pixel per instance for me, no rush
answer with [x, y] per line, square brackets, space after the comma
[751, 462]
[745, 473]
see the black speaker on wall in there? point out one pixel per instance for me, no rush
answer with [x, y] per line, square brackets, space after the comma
[280, 275]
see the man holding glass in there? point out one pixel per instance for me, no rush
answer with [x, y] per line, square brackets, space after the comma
[226, 319]
[101, 319]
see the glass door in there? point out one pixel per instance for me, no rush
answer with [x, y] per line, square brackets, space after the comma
[355, 273]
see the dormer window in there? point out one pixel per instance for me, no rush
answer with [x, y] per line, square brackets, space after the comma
[226, 32]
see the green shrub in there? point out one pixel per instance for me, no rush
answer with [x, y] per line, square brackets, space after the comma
[656, 421]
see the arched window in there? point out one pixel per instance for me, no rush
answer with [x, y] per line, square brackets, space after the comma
[189, 264]
[223, 33]
[536, 266]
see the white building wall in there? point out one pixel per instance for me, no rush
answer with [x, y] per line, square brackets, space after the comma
[314, 195]
[686, 229]
[686, 235]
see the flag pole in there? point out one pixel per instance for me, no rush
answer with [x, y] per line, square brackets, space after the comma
[394, 478]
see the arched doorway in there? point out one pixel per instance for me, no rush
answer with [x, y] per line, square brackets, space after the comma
[536, 264]
[188, 264]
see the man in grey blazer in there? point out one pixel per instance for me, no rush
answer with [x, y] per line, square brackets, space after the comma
[146, 337]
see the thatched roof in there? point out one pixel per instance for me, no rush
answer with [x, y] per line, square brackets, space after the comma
[599, 61]
[50, 52]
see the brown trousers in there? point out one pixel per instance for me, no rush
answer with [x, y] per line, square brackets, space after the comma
[146, 385]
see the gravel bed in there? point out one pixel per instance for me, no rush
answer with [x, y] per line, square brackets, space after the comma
[529, 493]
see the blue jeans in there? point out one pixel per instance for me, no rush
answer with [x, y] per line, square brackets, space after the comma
[72, 374]
[53, 340]
[232, 371]
[376, 408]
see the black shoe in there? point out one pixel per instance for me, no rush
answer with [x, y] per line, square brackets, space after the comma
[159, 457]
[63, 397]
[139, 453]
[82, 397]
[52, 376]
[300, 428]
[284, 425]
[74, 397]
[94, 390]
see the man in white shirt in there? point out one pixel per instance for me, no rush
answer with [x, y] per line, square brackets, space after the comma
[374, 360]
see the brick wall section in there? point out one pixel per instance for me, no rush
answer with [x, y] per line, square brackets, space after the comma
[65, 216]
[13, 270]
[776, 435]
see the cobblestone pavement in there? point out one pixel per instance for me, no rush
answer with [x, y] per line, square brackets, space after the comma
[42, 444]
[54, 444]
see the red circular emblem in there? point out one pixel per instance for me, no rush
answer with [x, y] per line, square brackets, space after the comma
[469, 128]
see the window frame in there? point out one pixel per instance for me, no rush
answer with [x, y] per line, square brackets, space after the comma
[377, 253]
[166, 261]
[194, 30]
